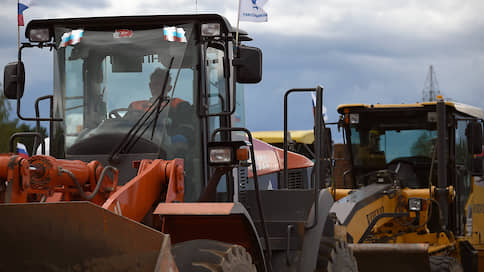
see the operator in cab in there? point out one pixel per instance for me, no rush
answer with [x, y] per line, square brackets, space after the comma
[178, 113]
[160, 85]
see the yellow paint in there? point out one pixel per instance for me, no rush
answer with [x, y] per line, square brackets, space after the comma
[341, 108]
[277, 137]
[340, 193]
[362, 218]
[462, 108]
[399, 230]
[476, 206]
[417, 193]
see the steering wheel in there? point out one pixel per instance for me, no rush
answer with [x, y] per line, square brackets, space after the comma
[115, 113]
[395, 164]
[409, 170]
[379, 176]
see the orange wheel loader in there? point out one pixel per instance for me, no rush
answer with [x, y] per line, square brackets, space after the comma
[147, 167]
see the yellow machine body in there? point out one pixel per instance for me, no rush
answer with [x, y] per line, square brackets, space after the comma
[475, 219]
[394, 204]
[374, 216]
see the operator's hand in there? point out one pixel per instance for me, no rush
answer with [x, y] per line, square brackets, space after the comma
[209, 194]
[222, 170]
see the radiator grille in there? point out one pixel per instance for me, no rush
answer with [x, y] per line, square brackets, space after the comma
[295, 179]
[243, 186]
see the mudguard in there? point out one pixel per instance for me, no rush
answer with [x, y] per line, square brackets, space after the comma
[224, 222]
[312, 236]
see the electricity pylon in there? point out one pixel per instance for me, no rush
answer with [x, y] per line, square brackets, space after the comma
[431, 88]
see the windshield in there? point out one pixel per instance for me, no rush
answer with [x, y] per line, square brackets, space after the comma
[109, 80]
[405, 152]
[387, 145]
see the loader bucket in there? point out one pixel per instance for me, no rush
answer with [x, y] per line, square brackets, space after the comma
[78, 236]
[391, 257]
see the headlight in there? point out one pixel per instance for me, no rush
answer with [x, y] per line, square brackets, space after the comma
[211, 30]
[220, 155]
[415, 204]
[231, 153]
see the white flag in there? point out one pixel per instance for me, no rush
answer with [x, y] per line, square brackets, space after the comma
[251, 10]
[313, 99]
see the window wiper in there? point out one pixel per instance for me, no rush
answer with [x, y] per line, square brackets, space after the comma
[133, 135]
[133, 141]
[158, 106]
[167, 99]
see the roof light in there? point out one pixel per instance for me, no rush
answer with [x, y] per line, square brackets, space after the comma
[354, 118]
[39, 35]
[210, 29]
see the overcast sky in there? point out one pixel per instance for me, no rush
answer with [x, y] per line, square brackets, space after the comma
[369, 51]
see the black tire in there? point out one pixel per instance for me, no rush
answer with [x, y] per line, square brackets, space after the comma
[335, 256]
[209, 255]
[444, 264]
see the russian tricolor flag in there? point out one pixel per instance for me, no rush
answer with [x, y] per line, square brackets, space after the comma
[174, 34]
[22, 5]
[22, 151]
[71, 38]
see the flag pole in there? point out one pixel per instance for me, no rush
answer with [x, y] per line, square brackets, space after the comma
[18, 27]
[237, 31]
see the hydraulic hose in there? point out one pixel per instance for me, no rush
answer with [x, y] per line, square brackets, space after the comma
[98, 184]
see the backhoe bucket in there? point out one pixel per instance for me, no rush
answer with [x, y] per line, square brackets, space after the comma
[78, 236]
[391, 257]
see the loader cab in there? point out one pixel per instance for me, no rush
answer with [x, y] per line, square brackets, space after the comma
[379, 137]
[403, 140]
[145, 87]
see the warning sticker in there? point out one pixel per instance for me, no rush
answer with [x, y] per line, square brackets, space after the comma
[122, 33]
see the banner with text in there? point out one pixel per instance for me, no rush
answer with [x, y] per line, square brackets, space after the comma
[251, 10]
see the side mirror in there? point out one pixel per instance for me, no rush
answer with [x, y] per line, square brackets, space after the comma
[248, 64]
[474, 137]
[11, 80]
[477, 166]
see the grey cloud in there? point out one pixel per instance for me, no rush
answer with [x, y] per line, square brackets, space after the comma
[63, 3]
[88, 4]
[352, 74]
[358, 60]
